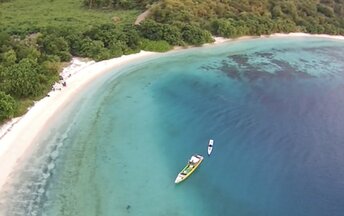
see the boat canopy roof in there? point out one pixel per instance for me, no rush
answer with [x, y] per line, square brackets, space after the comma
[194, 159]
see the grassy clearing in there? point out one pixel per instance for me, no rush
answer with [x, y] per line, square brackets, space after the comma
[23, 15]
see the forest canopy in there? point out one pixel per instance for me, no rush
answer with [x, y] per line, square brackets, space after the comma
[232, 18]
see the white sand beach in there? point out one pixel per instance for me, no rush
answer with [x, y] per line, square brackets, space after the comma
[18, 135]
[301, 34]
[219, 40]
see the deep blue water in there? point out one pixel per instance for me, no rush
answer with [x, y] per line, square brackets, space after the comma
[275, 108]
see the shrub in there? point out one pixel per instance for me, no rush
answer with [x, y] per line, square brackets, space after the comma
[8, 106]
[155, 46]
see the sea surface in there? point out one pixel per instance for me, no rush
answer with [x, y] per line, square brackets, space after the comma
[274, 106]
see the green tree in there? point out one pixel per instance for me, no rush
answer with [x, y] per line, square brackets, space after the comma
[327, 11]
[9, 58]
[50, 68]
[151, 30]
[8, 106]
[172, 35]
[94, 49]
[276, 12]
[156, 31]
[55, 45]
[116, 48]
[195, 35]
[224, 28]
[74, 40]
[3, 72]
[4, 39]
[131, 37]
[23, 79]
[24, 51]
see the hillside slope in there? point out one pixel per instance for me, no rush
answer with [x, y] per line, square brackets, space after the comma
[254, 17]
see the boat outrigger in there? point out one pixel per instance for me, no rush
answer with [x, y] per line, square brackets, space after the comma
[210, 146]
[192, 165]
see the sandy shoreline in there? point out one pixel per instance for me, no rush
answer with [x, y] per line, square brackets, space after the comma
[219, 40]
[19, 134]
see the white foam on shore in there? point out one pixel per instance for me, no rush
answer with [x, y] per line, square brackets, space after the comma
[19, 134]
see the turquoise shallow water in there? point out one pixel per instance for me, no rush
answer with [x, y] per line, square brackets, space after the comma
[273, 106]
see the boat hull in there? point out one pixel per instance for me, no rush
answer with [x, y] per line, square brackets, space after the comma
[210, 146]
[210, 149]
[189, 168]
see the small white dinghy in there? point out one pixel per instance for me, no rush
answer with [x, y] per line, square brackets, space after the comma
[210, 146]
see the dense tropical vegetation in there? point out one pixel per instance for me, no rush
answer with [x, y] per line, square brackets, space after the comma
[36, 36]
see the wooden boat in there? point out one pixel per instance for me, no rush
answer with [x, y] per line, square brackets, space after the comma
[192, 165]
[210, 146]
